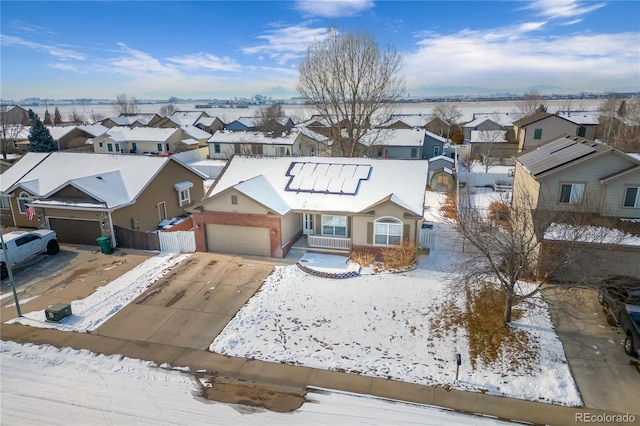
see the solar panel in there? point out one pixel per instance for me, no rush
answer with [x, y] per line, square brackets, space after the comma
[326, 178]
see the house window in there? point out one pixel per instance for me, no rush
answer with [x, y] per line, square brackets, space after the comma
[117, 147]
[414, 152]
[4, 203]
[234, 199]
[632, 196]
[436, 150]
[100, 144]
[167, 146]
[134, 147]
[184, 195]
[334, 225]
[110, 147]
[216, 148]
[537, 134]
[387, 231]
[159, 147]
[282, 151]
[581, 131]
[571, 193]
[23, 199]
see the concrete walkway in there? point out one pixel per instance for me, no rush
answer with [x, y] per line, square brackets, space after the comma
[175, 320]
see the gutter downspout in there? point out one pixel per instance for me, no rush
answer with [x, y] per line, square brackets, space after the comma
[113, 234]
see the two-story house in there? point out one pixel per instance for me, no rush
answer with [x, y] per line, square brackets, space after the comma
[542, 126]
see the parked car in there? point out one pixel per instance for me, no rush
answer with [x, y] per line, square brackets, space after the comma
[629, 320]
[21, 246]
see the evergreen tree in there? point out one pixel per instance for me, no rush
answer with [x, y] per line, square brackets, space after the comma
[32, 115]
[40, 139]
[57, 118]
[47, 118]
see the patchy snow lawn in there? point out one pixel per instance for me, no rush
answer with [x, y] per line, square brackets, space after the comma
[379, 325]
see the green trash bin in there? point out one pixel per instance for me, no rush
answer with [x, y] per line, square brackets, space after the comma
[105, 244]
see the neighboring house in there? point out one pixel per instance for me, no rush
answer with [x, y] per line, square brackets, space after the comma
[491, 145]
[15, 115]
[434, 145]
[276, 126]
[428, 122]
[130, 120]
[571, 173]
[441, 176]
[262, 206]
[587, 121]
[492, 121]
[395, 143]
[224, 144]
[82, 196]
[143, 140]
[199, 119]
[540, 127]
[75, 138]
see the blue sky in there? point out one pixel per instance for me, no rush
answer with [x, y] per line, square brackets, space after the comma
[227, 49]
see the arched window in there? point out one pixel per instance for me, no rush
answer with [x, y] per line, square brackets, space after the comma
[23, 199]
[387, 231]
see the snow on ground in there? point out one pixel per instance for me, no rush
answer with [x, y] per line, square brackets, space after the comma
[45, 385]
[91, 312]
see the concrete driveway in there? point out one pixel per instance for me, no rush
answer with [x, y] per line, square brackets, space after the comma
[606, 377]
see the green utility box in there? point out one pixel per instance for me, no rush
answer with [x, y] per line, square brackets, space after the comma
[57, 311]
[105, 244]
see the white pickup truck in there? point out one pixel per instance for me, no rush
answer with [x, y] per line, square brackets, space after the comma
[21, 245]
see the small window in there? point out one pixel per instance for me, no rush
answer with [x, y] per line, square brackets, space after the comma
[110, 147]
[537, 134]
[23, 199]
[117, 147]
[414, 152]
[436, 150]
[216, 148]
[234, 199]
[387, 231]
[632, 197]
[100, 144]
[159, 147]
[581, 131]
[4, 203]
[134, 147]
[167, 146]
[571, 193]
[184, 195]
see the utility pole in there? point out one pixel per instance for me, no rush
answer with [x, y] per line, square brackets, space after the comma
[10, 273]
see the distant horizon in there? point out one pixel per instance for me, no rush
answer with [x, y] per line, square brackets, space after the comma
[237, 49]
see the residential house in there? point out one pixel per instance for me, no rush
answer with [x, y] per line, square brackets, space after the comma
[435, 145]
[276, 126]
[75, 138]
[492, 146]
[429, 122]
[224, 144]
[542, 126]
[144, 140]
[492, 121]
[587, 121]
[262, 206]
[395, 143]
[199, 119]
[14, 115]
[138, 120]
[82, 196]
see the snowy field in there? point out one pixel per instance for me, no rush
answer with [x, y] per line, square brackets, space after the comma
[45, 385]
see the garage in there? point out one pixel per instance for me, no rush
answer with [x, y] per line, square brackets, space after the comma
[76, 231]
[238, 239]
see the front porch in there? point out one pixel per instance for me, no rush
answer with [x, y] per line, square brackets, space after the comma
[321, 243]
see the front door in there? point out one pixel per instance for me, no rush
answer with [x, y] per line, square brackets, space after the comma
[162, 211]
[307, 224]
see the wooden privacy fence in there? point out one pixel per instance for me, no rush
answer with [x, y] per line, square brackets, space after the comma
[139, 240]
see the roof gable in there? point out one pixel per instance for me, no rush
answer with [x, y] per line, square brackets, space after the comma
[525, 121]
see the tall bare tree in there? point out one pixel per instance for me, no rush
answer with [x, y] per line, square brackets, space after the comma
[532, 102]
[95, 116]
[353, 84]
[75, 117]
[9, 131]
[125, 105]
[487, 146]
[167, 110]
[506, 251]
[449, 114]
[270, 112]
[620, 123]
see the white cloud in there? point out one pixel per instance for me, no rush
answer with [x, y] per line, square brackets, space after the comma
[285, 44]
[57, 51]
[65, 67]
[531, 26]
[136, 62]
[561, 9]
[333, 8]
[205, 61]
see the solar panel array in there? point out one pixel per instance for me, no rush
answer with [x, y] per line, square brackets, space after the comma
[326, 178]
[554, 154]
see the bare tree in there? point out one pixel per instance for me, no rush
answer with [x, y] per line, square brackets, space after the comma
[96, 116]
[485, 148]
[532, 102]
[620, 123]
[270, 112]
[75, 117]
[9, 132]
[449, 114]
[167, 110]
[506, 252]
[125, 105]
[353, 84]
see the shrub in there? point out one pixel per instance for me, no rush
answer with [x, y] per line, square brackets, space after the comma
[363, 257]
[401, 256]
[498, 211]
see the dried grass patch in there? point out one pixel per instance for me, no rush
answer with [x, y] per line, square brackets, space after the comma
[363, 257]
[450, 206]
[401, 256]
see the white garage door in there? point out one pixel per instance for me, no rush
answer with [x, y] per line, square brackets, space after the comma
[238, 239]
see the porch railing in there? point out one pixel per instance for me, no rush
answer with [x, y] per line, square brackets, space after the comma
[338, 243]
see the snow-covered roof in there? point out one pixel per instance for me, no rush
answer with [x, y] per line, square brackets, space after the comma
[313, 135]
[499, 136]
[411, 120]
[585, 118]
[398, 137]
[227, 136]
[57, 132]
[94, 129]
[195, 132]
[128, 120]
[504, 119]
[205, 121]
[326, 184]
[115, 180]
[140, 134]
[441, 157]
[185, 118]
[436, 137]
